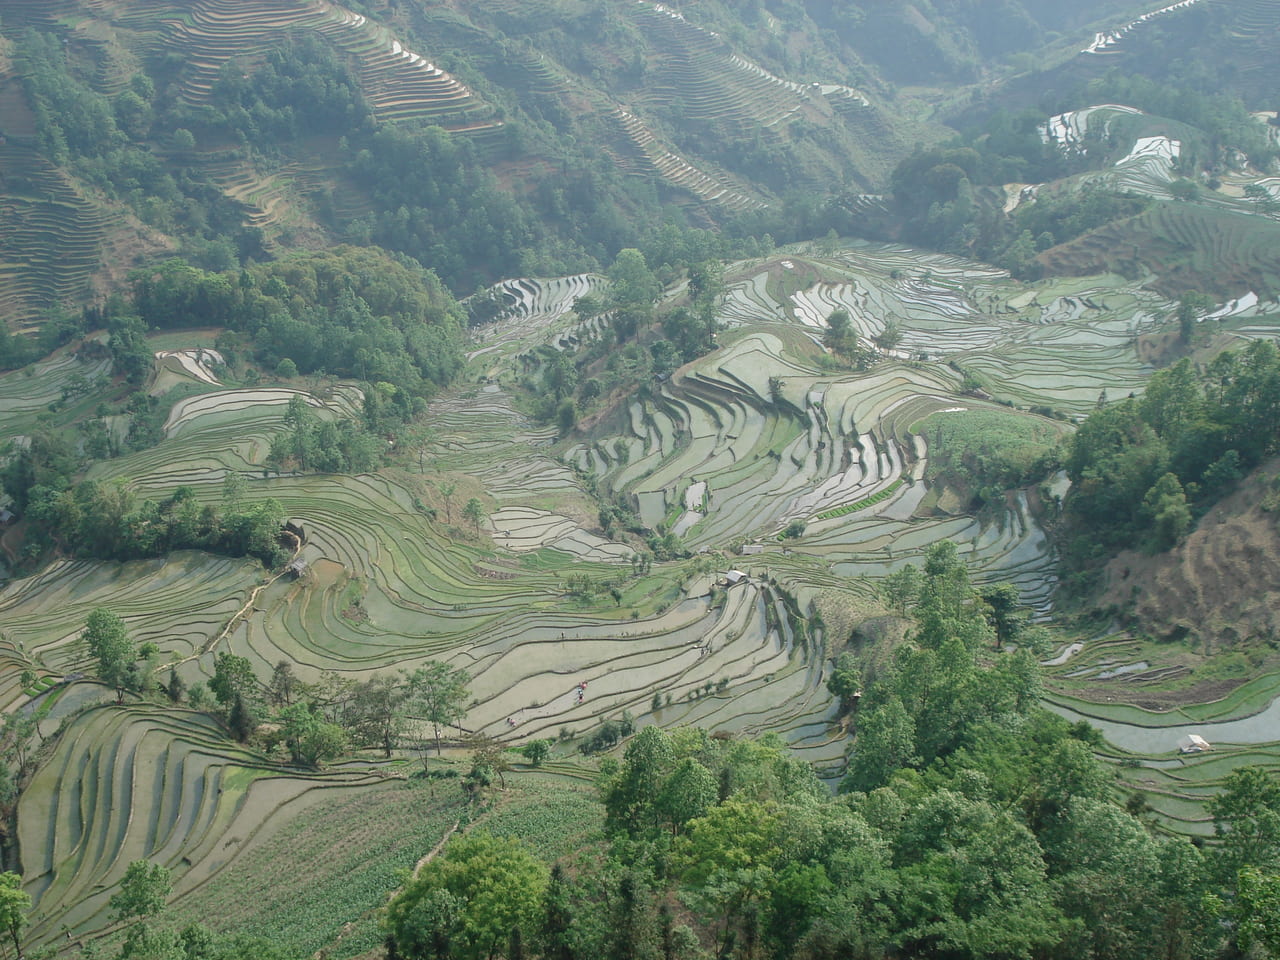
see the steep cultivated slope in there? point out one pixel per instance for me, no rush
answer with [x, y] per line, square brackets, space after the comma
[592, 117]
[1219, 587]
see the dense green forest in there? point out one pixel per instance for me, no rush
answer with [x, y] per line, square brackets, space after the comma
[430, 194]
[1145, 468]
[347, 311]
[104, 521]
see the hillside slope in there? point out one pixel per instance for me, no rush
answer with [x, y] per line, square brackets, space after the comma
[1221, 585]
[578, 128]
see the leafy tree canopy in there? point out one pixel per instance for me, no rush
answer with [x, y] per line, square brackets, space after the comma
[471, 897]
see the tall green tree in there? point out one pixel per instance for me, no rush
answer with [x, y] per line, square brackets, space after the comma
[633, 288]
[438, 694]
[1166, 505]
[557, 919]
[726, 863]
[1172, 401]
[630, 796]
[901, 589]
[631, 282]
[1246, 815]
[241, 719]
[840, 336]
[947, 609]
[706, 281]
[14, 905]
[233, 484]
[1003, 610]
[378, 711]
[475, 512]
[428, 929]
[1257, 911]
[886, 743]
[688, 793]
[283, 686]
[973, 883]
[143, 892]
[845, 682]
[447, 491]
[108, 642]
[234, 676]
[308, 737]
[631, 927]
[131, 356]
[1190, 306]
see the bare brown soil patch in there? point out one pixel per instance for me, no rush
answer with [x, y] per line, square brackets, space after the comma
[1159, 700]
[128, 245]
[1161, 349]
[1180, 248]
[1166, 348]
[1220, 586]
[19, 121]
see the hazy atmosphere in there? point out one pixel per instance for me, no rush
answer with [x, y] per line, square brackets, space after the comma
[617, 480]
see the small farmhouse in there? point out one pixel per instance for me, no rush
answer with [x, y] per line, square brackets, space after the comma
[1193, 743]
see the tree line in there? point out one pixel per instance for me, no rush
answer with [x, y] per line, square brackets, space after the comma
[349, 312]
[329, 446]
[1143, 469]
[104, 520]
[949, 197]
[344, 312]
[310, 721]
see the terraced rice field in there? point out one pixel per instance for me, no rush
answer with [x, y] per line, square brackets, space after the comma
[398, 82]
[1223, 246]
[831, 440]
[421, 595]
[49, 235]
[1023, 338]
[263, 195]
[1223, 242]
[531, 311]
[695, 72]
[129, 783]
[178, 603]
[1152, 146]
[1070, 129]
[730, 451]
[658, 159]
[317, 871]
[24, 396]
[197, 367]
[1102, 42]
[341, 855]
[524, 528]
[711, 81]
[1241, 729]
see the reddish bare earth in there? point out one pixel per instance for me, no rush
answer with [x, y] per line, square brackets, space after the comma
[1221, 585]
